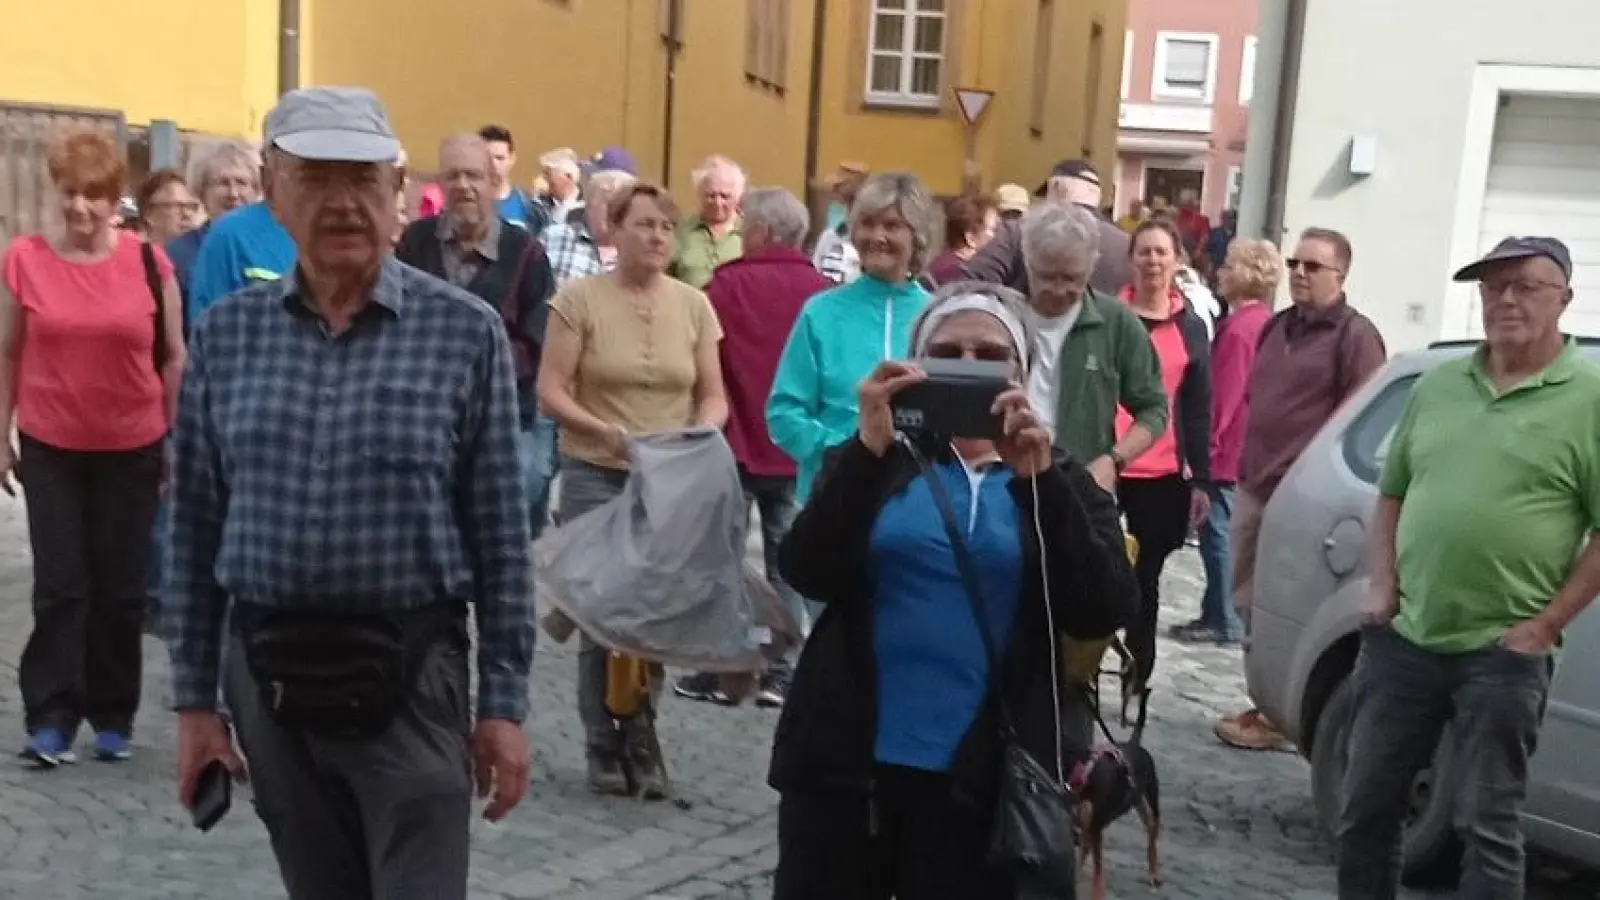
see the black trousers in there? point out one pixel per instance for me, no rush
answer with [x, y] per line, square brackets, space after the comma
[926, 846]
[1158, 517]
[89, 520]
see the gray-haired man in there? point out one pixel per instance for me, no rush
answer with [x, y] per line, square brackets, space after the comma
[346, 483]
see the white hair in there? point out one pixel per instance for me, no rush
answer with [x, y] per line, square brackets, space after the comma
[778, 211]
[562, 159]
[715, 164]
[1053, 230]
[607, 184]
[906, 193]
[219, 156]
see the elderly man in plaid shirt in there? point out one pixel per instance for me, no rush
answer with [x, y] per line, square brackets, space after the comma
[346, 485]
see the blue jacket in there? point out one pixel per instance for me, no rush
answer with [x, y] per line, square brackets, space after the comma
[840, 337]
[241, 248]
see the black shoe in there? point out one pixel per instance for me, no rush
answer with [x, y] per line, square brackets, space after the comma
[773, 691]
[606, 775]
[704, 687]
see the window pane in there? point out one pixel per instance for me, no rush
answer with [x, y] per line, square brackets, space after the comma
[885, 73]
[925, 77]
[891, 4]
[930, 34]
[1188, 63]
[930, 5]
[890, 33]
[1366, 444]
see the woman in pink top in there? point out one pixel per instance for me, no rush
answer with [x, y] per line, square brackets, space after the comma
[94, 353]
[1163, 492]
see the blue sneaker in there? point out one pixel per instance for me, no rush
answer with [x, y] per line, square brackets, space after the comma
[49, 748]
[110, 746]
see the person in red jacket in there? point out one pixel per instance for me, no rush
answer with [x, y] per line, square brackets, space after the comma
[758, 297]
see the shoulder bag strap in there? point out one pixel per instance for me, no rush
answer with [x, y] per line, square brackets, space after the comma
[969, 578]
[152, 279]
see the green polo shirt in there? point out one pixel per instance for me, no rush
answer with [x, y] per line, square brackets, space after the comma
[700, 252]
[1499, 491]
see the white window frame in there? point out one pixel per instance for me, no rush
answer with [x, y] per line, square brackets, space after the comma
[1233, 188]
[1127, 62]
[1161, 90]
[1247, 71]
[904, 97]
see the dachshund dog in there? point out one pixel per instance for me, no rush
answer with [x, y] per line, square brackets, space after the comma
[1112, 781]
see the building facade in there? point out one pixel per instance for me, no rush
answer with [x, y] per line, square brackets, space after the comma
[673, 81]
[1452, 133]
[1188, 79]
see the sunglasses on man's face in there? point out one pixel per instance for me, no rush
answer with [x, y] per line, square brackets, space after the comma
[985, 352]
[1311, 266]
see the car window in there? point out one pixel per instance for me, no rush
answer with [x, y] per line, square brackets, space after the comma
[1366, 443]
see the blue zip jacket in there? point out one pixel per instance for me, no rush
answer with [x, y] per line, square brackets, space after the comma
[840, 337]
[241, 248]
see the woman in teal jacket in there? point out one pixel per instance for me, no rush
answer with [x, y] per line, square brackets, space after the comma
[843, 334]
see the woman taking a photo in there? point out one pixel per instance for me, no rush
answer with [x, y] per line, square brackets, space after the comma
[628, 352]
[94, 354]
[888, 746]
[1164, 491]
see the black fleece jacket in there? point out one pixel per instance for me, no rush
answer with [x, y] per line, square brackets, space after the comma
[828, 728]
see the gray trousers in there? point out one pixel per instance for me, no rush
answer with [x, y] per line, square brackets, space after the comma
[385, 818]
[1405, 697]
[583, 488]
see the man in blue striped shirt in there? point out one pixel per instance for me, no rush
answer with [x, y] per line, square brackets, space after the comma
[346, 480]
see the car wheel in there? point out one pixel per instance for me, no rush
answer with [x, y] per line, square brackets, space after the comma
[1432, 849]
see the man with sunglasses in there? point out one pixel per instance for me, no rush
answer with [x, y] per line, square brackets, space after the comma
[1312, 356]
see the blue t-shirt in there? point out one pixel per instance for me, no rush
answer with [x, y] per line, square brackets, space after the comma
[933, 672]
[243, 247]
[517, 209]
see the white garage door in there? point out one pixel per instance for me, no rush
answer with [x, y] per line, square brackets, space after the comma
[1544, 179]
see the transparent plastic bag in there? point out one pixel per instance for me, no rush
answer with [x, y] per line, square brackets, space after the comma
[659, 571]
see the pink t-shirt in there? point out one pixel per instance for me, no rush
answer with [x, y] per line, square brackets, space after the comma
[87, 378]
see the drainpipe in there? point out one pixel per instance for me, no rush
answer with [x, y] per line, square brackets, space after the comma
[1266, 166]
[819, 28]
[673, 40]
[288, 45]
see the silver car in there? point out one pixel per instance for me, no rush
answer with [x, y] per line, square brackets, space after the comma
[1311, 577]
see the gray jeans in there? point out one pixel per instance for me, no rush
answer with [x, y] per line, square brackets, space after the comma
[1493, 701]
[381, 818]
[583, 488]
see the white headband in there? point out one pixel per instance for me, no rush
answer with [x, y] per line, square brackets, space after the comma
[969, 303]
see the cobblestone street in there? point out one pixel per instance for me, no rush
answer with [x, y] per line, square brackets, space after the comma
[1239, 826]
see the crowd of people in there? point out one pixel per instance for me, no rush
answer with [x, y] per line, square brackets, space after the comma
[375, 404]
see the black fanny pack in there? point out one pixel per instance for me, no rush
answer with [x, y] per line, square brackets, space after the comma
[341, 676]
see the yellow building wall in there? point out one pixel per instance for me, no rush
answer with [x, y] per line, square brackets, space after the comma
[209, 65]
[989, 47]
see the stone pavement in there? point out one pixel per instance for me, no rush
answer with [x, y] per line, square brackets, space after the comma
[1238, 826]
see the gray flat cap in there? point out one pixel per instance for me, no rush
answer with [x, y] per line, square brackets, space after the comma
[332, 124]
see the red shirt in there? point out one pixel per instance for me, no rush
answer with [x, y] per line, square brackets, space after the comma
[87, 378]
[1231, 358]
[757, 298]
[1161, 459]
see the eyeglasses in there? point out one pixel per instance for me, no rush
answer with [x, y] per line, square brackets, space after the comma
[188, 206]
[1311, 266]
[985, 352]
[1520, 289]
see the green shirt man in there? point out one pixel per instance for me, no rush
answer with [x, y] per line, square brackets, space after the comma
[700, 251]
[1500, 491]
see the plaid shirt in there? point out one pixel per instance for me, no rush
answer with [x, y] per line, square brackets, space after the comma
[573, 253]
[367, 471]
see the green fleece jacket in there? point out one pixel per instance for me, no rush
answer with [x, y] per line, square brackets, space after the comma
[1106, 361]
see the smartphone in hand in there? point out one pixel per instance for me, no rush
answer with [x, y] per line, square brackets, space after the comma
[213, 795]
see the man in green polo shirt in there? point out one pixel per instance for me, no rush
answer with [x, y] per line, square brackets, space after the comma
[1483, 552]
[715, 235]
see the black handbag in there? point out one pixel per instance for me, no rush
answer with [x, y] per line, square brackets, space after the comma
[1033, 839]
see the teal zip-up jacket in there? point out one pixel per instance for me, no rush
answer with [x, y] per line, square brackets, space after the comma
[840, 337]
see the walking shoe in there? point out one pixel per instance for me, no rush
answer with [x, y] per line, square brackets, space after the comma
[111, 746]
[648, 779]
[1250, 730]
[1195, 632]
[606, 776]
[704, 687]
[1178, 631]
[49, 748]
[773, 691]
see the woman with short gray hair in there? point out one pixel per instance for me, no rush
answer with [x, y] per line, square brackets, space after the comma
[844, 333]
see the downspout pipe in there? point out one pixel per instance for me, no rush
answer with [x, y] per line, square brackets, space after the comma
[288, 45]
[674, 44]
[1264, 200]
[819, 30]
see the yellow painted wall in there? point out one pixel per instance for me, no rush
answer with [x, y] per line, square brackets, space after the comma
[209, 65]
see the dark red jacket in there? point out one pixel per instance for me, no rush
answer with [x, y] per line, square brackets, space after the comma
[757, 298]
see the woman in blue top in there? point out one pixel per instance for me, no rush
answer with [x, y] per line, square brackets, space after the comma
[843, 333]
[887, 750]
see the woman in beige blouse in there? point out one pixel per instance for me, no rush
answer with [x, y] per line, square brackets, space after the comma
[628, 352]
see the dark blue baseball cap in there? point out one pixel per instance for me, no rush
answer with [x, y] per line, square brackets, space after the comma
[1515, 248]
